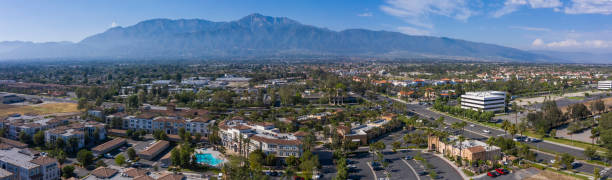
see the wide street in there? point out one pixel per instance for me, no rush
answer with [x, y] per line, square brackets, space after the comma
[476, 131]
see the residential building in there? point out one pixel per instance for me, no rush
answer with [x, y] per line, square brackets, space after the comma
[29, 124]
[102, 173]
[28, 165]
[6, 175]
[169, 120]
[79, 131]
[470, 150]
[604, 85]
[484, 101]
[242, 137]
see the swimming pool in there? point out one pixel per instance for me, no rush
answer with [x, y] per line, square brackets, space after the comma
[208, 159]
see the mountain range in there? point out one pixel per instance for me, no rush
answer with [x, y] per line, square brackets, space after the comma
[257, 35]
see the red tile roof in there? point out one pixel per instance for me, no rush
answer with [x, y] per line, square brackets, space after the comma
[104, 172]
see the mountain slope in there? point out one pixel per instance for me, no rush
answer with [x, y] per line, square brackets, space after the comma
[258, 35]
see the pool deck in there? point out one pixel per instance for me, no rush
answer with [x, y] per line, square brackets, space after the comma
[215, 154]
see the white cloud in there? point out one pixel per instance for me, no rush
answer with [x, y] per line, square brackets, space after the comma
[589, 7]
[113, 24]
[537, 42]
[416, 12]
[513, 5]
[413, 31]
[545, 3]
[564, 43]
[526, 28]
[366, 14]
[572, 43]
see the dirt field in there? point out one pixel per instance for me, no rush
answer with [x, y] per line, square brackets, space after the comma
[40, 109]
[534, 100]
[607, 102]
[546, 175]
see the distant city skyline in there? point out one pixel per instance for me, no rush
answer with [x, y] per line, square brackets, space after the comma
[560, 25]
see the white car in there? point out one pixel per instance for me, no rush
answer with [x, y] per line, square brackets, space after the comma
[486, 131]
[552, 161]
[472, 125]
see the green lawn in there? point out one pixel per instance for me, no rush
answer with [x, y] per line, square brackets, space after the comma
[576, 98]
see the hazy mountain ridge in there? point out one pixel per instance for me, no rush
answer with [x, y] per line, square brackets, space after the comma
[257, 35]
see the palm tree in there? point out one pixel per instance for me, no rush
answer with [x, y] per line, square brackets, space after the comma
[522, 127]
[594, 134]
[512, 130]
[289, 172]
[461, 139]
[505, 125]
[491, 141]
[515, 109]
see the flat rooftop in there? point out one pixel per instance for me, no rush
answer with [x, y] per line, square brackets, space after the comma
[16, 157]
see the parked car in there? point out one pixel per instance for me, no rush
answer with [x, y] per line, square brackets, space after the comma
[408, 157]
[108, 156]
[500, 171]
[486, 131]
[163, 165]
[423, 173]
[472, 125]
[492, 174]
[575, 164]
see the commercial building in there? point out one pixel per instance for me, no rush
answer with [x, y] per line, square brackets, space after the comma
[25, 164]
[152, 151]
[108, 146]
[484, 101]
[470, 150]
[262, 136]
[11, 98]
[362, 133]
[604, 85]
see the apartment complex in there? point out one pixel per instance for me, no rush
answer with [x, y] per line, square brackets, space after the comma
[167, 119]
[484, 101]
[604, 85]
[470, 150]
[29, 124]
[77, 131]
[241, 137]
[25, 164]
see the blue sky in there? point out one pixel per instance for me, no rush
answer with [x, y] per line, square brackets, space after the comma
[566, 25]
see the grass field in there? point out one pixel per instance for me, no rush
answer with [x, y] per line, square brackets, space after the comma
[39, 109]
[576, 98]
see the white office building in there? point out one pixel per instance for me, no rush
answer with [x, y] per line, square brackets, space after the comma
[604, 85]
[484, 101]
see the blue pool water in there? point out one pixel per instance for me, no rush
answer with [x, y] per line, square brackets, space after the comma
[208, 159]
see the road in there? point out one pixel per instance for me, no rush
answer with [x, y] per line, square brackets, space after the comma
[476, 131]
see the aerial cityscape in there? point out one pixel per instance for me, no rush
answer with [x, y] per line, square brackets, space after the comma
[306, 90]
